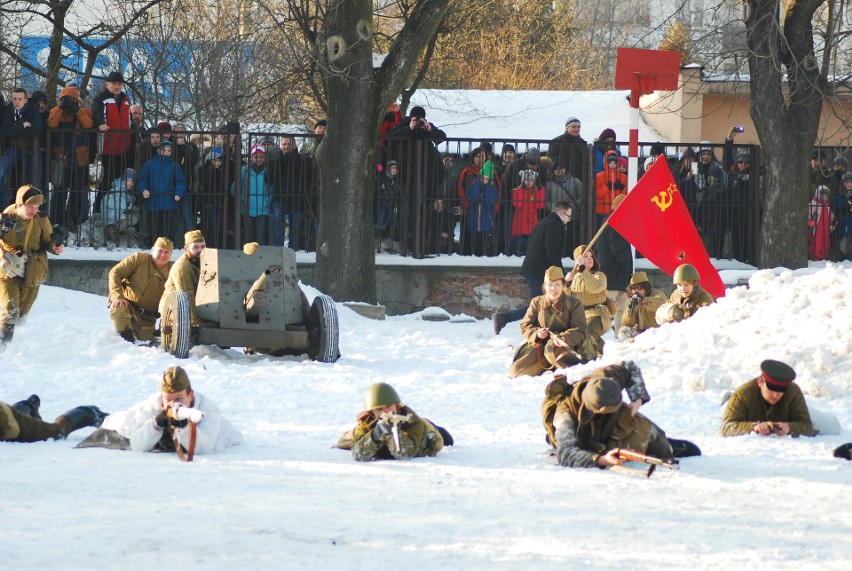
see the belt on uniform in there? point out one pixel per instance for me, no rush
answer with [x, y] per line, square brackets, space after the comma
[143, 311]
[598, 306]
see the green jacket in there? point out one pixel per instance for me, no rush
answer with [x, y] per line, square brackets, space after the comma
[137, 279]
[746, 407]
[417, 438]
[643, 317]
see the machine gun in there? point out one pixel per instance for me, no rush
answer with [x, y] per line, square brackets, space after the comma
[652, 461]
[256, 297]
[395, 420]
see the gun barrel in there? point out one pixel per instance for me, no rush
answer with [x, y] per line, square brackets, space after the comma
[256, 298]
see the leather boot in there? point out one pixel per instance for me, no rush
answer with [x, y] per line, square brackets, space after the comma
[127, 335]
[79, 417]
[7, 332]
[29, 406]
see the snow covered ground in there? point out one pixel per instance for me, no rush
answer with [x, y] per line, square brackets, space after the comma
[496, 500]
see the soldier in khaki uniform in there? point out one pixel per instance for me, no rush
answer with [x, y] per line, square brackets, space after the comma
[769, 404]
[136, 285]
[588, 284]
[642, 304]
[383, 434]
[21, 422]
[686, 299]
[184, 273]
[554, 330]
[25, 239]
[591, 421]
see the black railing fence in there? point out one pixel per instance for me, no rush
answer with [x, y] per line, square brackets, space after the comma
[430, 199]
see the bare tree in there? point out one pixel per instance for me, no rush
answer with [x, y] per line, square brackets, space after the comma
[789, 82]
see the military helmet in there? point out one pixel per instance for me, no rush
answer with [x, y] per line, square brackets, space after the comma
[685, 273]
[380, 395]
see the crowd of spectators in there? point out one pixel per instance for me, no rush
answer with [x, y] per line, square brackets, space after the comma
[433, 195]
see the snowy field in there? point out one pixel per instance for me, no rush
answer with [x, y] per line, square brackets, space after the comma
[497, 500]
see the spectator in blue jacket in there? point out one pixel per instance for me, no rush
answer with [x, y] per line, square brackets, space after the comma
[255, 196]
[162, 184]
[483, 196]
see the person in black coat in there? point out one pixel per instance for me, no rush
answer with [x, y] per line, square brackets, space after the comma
[544, 249]
[616, 260]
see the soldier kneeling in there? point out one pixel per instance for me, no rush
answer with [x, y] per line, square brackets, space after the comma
[387, 429]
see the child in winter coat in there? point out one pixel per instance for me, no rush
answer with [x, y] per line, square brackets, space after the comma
[119, 208]
[483, 196]
[386, 197]
[528, 202]
[609, 183]
[819, 224]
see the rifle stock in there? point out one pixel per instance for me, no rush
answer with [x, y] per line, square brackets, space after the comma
[633, 456]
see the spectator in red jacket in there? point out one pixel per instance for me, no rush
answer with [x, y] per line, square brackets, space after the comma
[609, 183]
[528, 203]
[111, 113]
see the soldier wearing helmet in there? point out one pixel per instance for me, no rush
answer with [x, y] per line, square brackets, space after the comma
[687, 297]
[387, 429]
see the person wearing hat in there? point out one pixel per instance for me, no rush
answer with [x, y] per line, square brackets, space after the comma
[590, 421]
[309, 149]
[22, 422]
[70, 157]
[710, 183]
[563, 186]
[736, 222]
[111, 115]
[513, 173]
[136, 285]
[770, 404]
[214, 181]
[527, 203]
[482, 196]
[687, 298]
[640, 313]
[589, 285]
[22, 125]
[154, 424]
[162, 184]
[570, 148]
[554, 331]
[25, 238]
[183, 276]
[609, 183]
[255, 197]
[603, 145]
[386, 196]
[387, 429]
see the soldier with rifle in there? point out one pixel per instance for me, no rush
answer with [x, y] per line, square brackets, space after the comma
[26, 236]
[136, 285]
[590, 427]
[387, 429]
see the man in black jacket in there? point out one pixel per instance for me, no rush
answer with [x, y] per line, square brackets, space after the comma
[22, 126]
[544, 249]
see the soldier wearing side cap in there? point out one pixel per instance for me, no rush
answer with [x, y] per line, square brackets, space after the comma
[154, 424]
[387, 429]
[185, 272]
[136, 285]
[591, 421]
[25, 238]
[554, 330]
[770, 404]
[642, 304]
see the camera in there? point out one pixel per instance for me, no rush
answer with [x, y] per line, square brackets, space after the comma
[421, 123]
[69, 105]
[59, 235]
[775, 429]
[633, 301]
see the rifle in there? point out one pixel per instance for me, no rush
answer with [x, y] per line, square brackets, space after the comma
[569, 351]
[395, 420]
[652, 461]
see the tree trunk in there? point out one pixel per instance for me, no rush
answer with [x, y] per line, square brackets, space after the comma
[54, 56]
[786, 116]
[358, 96]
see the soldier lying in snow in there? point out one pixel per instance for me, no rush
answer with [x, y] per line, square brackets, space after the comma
[387, 429]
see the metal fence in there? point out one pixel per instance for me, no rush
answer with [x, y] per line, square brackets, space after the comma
[429, 199]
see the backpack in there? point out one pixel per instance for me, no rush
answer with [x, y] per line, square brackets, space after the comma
[554, 393]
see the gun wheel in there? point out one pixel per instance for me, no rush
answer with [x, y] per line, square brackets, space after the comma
[175, 325]
[323, 330]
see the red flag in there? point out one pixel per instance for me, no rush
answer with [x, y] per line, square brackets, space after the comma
[653, 217]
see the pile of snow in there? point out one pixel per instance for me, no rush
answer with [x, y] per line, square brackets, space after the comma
[496, 500]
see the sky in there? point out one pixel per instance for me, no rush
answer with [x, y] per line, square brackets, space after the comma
[495, 500]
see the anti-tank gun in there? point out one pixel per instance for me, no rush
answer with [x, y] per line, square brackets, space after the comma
[252, 301]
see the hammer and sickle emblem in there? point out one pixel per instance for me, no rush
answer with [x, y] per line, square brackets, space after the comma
[664, 200]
